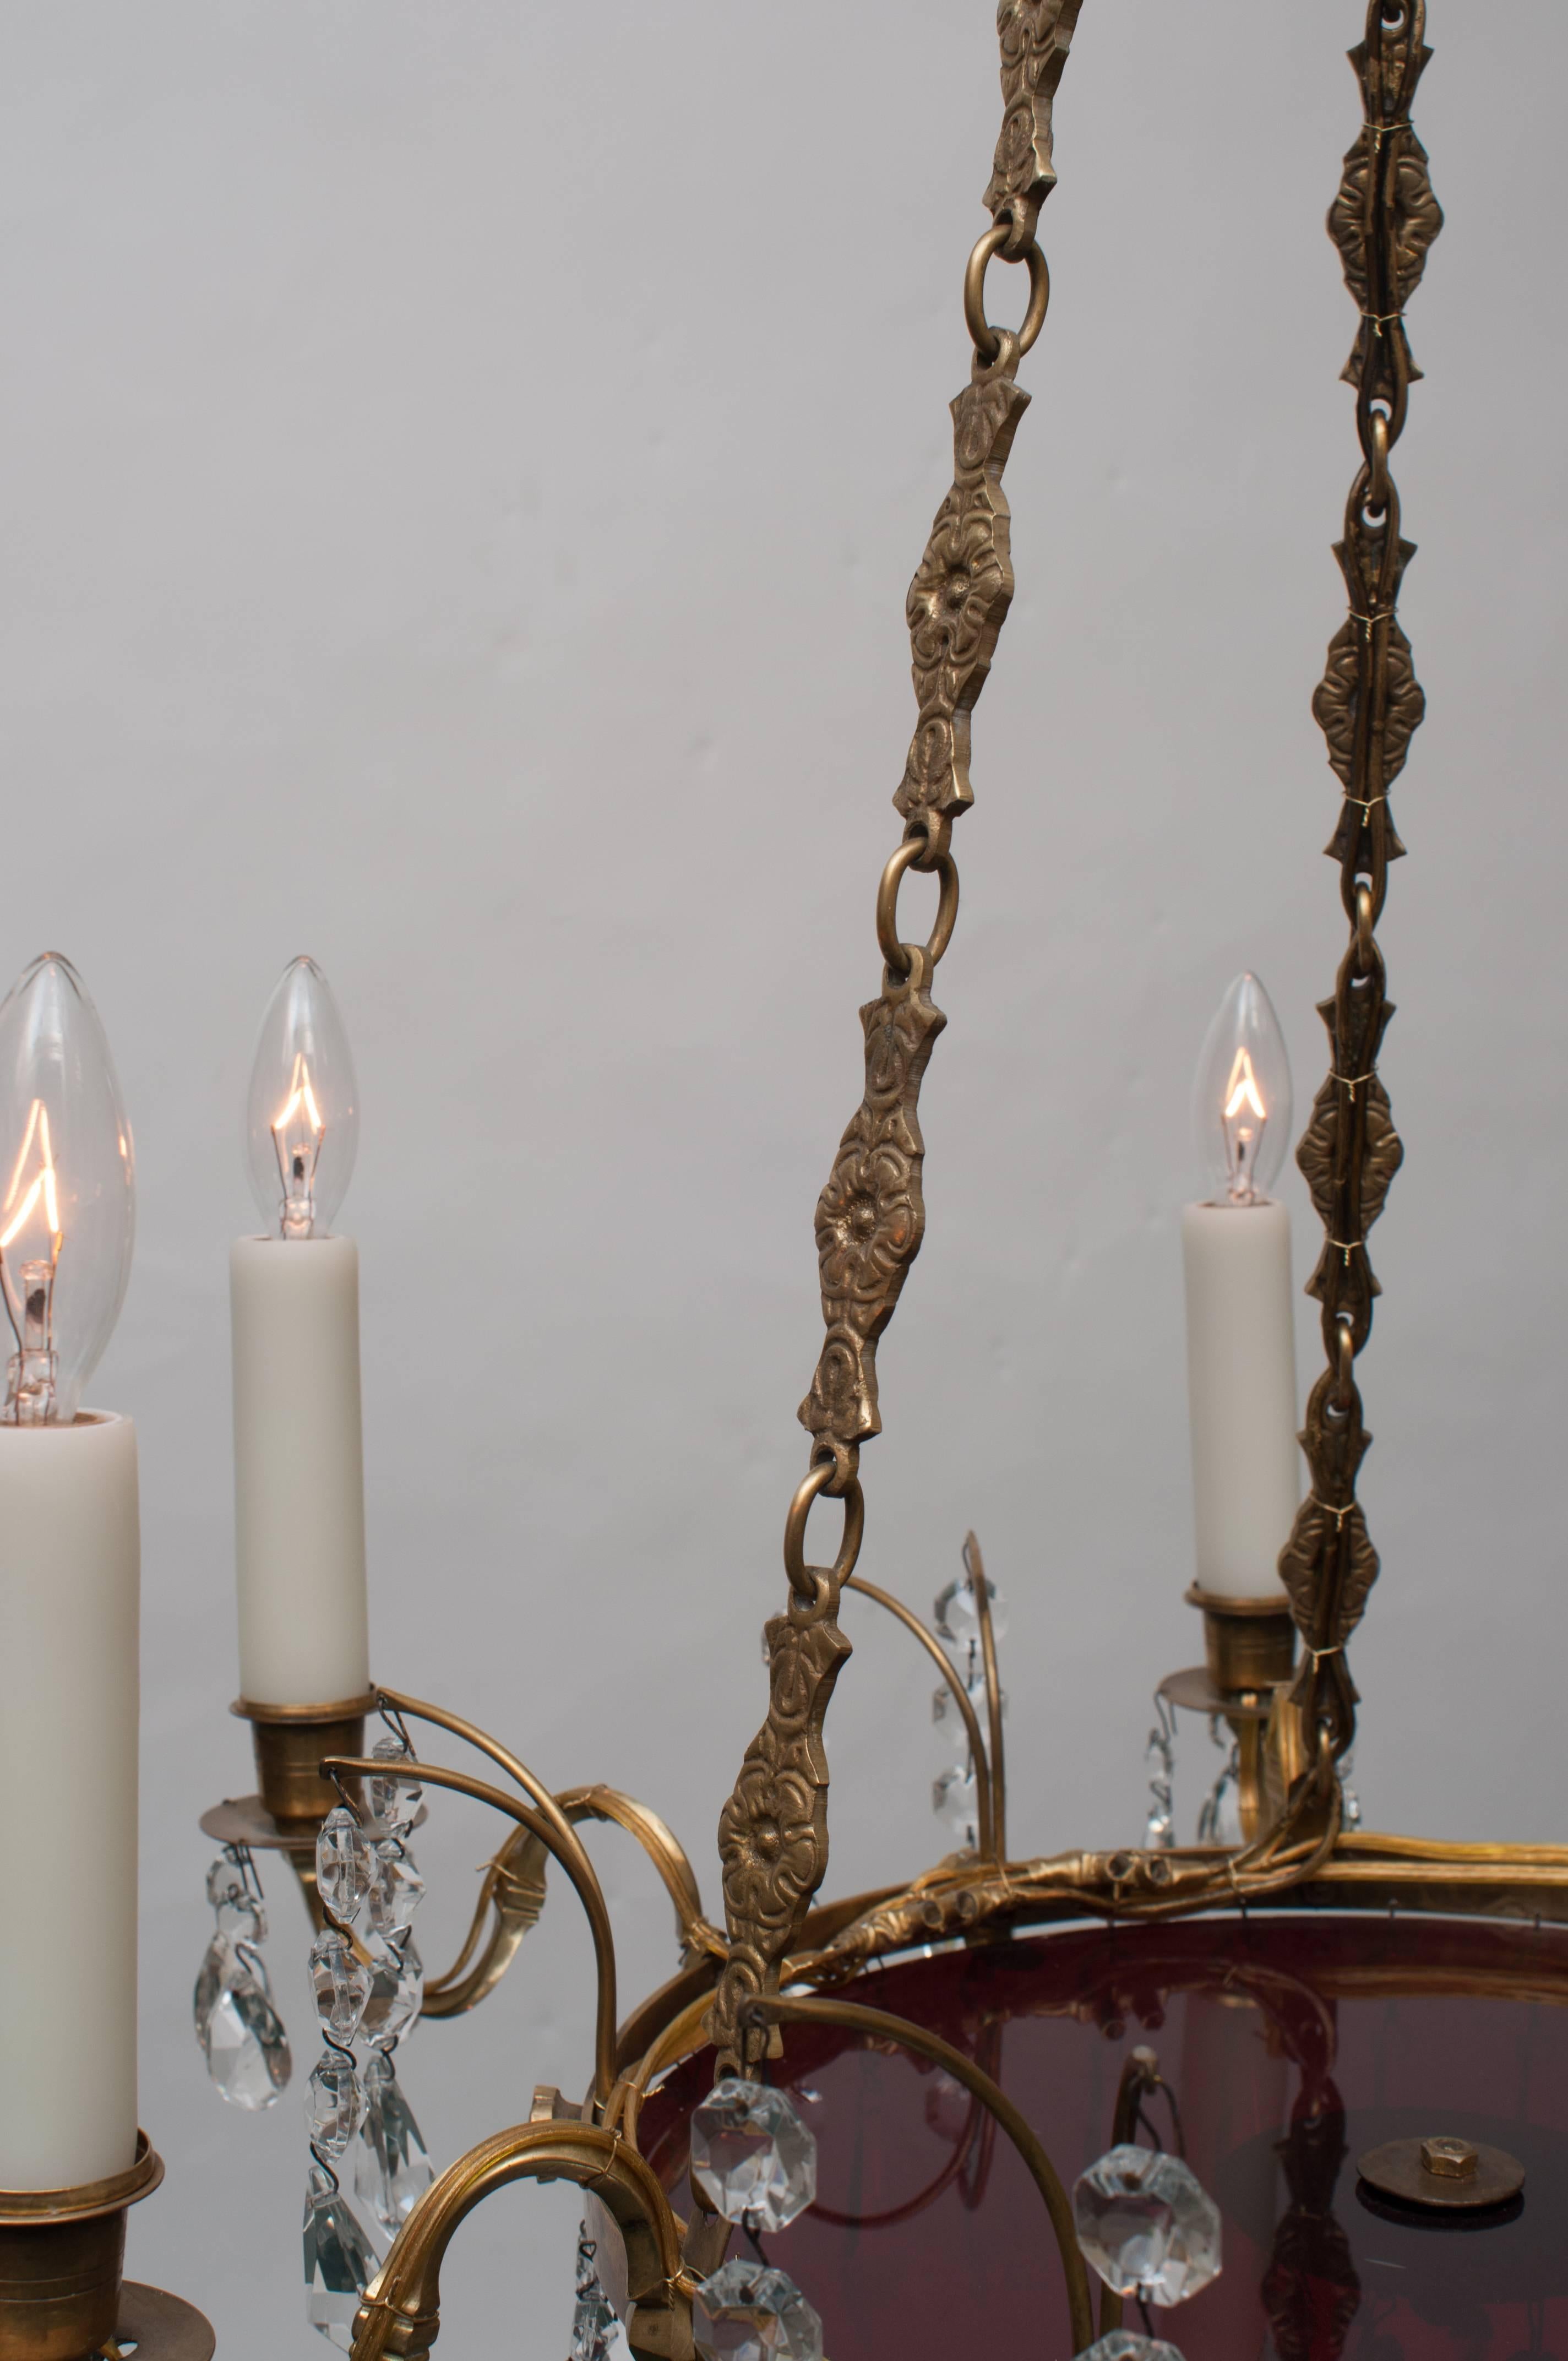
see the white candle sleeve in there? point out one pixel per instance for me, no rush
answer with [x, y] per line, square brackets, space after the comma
[299, 1471]
[1241, 1374]
[70, 1585]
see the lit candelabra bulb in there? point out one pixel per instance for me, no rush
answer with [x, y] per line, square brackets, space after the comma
[68, 1216]
[1241, 1107]
[303, 1115]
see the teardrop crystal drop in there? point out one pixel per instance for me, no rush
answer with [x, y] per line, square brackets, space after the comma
[340, 2261]
[392, 2167]
[240, 2032]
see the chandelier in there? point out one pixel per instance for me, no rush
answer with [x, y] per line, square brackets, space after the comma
[751, 2189]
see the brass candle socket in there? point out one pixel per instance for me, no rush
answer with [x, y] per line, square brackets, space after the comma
[1249, 1644]
[291, 1741]
[62, 2297]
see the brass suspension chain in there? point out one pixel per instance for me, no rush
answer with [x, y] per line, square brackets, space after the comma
[773, 1835]
[1369, 703]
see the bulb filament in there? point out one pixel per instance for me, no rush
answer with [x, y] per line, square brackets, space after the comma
[31, 1241]
[1244, 1119]
[298, 1132]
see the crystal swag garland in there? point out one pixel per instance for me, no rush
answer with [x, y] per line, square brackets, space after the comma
[369, 1985]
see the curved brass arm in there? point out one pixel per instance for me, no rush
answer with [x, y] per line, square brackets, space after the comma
[514, 1877]
[985, 1832]
[573, 1860]
[401, 2310]
[880, 2026]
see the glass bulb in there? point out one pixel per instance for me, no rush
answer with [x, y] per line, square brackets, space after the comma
[67, 1177]
[1241, 1104]
[303, 1115]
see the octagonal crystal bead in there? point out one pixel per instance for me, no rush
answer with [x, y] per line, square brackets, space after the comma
[239, 1911]
[397, 1889]
[1122, 2345]
[336, 2106]
[393, 1794]
[341, 1984]
[956, 1613]
[343, 1866]
[752, 2156]
[749, 2313]
[1147, 2225]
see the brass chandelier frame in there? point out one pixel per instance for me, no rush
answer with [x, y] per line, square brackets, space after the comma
[782, 1953]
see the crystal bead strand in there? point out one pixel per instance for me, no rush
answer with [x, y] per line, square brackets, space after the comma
[955, 1792]
[339, 2257]
[239, 2028]
[391, 2166]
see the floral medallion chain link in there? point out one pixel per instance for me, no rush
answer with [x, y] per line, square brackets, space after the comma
[772, 1834]
[1368, 705]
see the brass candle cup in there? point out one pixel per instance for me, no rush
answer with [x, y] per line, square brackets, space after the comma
[62, 2293]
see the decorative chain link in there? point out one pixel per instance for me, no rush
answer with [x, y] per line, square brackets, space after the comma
[1368, 705]
[773, 1835]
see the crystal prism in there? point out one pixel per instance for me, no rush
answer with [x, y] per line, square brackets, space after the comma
[239, 1911]
[955, 1799]
[597, 2334]
[957, 1616]
[749, 2313]
[240, 2032]
[336, 2106]
[340, 1981]
[948, 1722]
[397, 1889]
[340, 2261]
[397, 1990]
[393, 1794]
[1122, 2345]
[391, 2169]
[752, 2156]
[1147, 2225]
[343, 1865]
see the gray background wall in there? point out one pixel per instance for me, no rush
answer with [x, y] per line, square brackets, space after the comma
[464, 463]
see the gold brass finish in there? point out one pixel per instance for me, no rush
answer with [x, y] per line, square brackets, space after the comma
[61, 2254]
[1383, 221]
[162, 2327]
[1452, 2160]
[289, 1742]
[401, 2310]
[1455, 2175]
[1249, 1643]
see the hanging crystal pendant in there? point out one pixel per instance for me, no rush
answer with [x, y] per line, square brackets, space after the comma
[392, 2167]
[340, 2261]
[341, 1982]
[240, 2032]
[393, 1796]
[336, 2107]
[396, 1889]
[1147, 2225]
[955, 1799]
[746, 2312]
[397, 1989]
[957, 1614]
[596, 2332]
[752, 2156]
[343, 1865]
[237, 1908]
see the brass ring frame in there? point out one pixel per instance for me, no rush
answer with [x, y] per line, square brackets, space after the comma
[987, 340]
[914, 853]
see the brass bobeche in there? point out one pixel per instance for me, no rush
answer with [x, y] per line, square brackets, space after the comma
[63, 2296]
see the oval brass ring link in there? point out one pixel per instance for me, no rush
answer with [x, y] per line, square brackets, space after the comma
[807, 1581]
[1377, 460]
[893, 952]
[1344, 1369]
[986, 341]
[1366, 947]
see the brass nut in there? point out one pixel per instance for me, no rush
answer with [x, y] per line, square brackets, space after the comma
[1449, 2160]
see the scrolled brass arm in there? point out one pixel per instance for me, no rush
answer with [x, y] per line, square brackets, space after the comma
[401, 2310]
[573, 1860]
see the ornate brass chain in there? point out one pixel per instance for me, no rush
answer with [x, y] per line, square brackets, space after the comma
[773, 1835]
[1383, 221]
